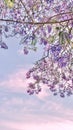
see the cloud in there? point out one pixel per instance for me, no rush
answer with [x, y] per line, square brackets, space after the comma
[56, 125]
[44, 93]
[15, 81]
[30, 108]
[40, 107]
[14, 101]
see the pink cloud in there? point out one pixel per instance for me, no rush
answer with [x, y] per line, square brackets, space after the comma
[14, 101]
[15, 81]
[44, 93]
[50, 125]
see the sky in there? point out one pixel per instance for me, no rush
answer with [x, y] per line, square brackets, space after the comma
[20, 111]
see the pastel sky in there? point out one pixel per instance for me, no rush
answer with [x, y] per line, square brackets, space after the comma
[18, 110]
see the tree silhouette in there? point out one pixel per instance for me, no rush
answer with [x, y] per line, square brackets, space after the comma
[49, 23]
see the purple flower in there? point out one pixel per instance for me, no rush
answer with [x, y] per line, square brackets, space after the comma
[3, 45]
[57, 8]
[32, 70]
[45, 81]
[36, 77]
[63, 76]
[55, 93]
[39, 89]
[25, 51]
[72, 80]
[62, 61]
[28, 75]
[0, 32]
[55, 48]
[72, 23]
[50, 1]
[6, 29]
[62, 95]
[52, 88]
[49, 29]
[31, 85]
[30, 91]
[43, 41]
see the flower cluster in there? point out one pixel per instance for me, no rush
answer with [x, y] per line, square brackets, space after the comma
[48, 23]
[36, 21]
[54, 70]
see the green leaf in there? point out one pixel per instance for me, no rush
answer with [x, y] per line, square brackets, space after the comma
[33, 42]
[9, 3]
[67, 37]
[64, 37]
[51, 39]
[61, 38]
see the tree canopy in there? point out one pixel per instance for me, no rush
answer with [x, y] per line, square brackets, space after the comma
[48, 23]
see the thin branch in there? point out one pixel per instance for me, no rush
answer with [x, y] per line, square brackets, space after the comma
[51, 18]
[26, 10]
[37, 23]
[61, 14]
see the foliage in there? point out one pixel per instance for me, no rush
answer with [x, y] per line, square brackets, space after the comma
[49, 23]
